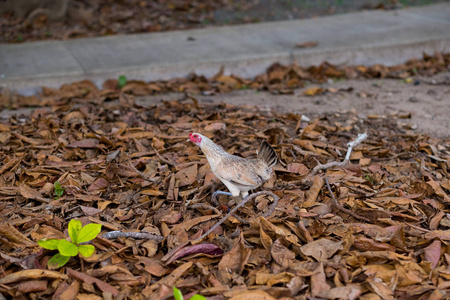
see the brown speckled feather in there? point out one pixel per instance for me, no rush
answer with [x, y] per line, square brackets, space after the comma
[239, 174]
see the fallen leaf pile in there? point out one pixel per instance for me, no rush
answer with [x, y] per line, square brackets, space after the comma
[278, 79]
[25, 20]
[100, 18]
[131, 169]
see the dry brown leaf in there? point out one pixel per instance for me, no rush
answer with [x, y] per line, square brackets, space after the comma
[31, 274]
[71, 292]
[433, 253]
[253, 295]
[103, 286]
[314, 190]
[10, 233]
[322, 249]
[187, 176]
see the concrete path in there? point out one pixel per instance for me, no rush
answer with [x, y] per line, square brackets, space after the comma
[387, 37]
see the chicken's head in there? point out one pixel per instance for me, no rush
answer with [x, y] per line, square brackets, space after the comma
[195, 138]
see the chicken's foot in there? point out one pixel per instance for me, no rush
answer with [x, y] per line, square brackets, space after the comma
[243, 202]
[214, 196]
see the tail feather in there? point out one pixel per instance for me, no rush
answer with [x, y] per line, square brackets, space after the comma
[267, 154]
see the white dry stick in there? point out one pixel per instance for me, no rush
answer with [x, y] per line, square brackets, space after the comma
[136, 235]
[361, 137]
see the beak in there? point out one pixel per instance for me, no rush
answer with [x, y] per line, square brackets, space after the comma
[188, 140]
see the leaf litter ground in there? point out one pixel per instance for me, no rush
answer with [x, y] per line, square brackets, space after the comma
[130, 169]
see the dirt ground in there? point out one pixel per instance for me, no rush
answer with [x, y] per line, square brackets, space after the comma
[425, 103]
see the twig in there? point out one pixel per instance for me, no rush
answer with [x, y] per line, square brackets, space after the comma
[196, 198]
[205, 206]
[243, 202]
[145, 177]
[351, 145]
[162, 158]
[268, 213]
[343, 209]
[136, 235]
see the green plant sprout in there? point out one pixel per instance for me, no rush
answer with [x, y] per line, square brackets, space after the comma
[179, 296]
[122, 81]
[59, 191]
[78, 235]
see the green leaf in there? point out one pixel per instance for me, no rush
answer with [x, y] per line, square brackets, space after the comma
[59, 191]
[86, 250]
[122, 81]
[51, 244]
[197, 297]
[177, 294]
[67, 248]
[57, 185]
[57, 261]
[88, 232]
[74, 229]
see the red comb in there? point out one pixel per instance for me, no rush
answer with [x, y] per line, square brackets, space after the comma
[190, 134]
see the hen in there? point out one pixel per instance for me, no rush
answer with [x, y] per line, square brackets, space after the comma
[239, 175]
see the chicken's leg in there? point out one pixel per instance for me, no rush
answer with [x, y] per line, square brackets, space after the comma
[214, 196]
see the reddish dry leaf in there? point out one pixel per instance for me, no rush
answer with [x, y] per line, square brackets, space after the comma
[108, 270]
[99, 184]
[71, 292]
[266, 241]
[438, 190]
[440, 234]
[215, 127]
[233, 261]
[186, 225]
[87, 143]
[172, 278]
[273, 279]
[32, 286]
[90, 211]
[410, 273]
[154, 267]
[322, 249]
[319, 283]
[300, 169]
[314, 190]
[381, 289]
[281, 254]
[278, 231]
[253, 295]
[366, 244]
[172, 218]
[10, 233]
[210, 249]
[28, 262]
[187, 176]
[103, 286]
[30, 193]
[436, 220]
[31, 274]
[433, 253]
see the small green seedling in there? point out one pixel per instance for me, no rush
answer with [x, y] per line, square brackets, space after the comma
[179, 296]
[122, 81]
[59, 191]
[78, 235]
[369, 178]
